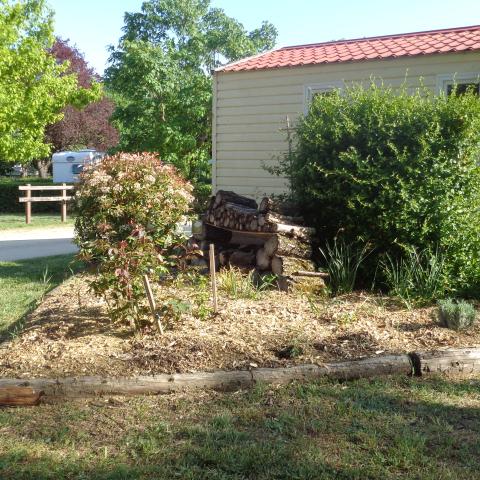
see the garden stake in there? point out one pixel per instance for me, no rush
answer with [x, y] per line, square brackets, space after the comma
[213, 277]
[151, 301]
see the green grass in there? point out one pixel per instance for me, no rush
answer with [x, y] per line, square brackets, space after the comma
[406, 428]
[24, 282]
[39, 220]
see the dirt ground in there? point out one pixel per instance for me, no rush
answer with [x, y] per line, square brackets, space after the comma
[70, 334]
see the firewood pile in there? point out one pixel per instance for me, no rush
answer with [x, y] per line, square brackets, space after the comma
[264, 237]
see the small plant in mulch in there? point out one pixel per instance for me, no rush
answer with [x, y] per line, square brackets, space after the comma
[456, 314]
[289, 352]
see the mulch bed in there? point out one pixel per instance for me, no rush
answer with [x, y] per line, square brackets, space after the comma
[70, 334]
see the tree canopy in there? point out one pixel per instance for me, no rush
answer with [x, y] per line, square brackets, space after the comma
[81, 127]
[34, 87]
[159, 75]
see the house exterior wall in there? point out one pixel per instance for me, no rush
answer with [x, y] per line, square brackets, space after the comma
[250, 110]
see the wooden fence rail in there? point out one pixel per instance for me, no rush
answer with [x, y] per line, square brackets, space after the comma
[28, 199]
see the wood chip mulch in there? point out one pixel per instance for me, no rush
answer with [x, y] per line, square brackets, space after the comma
[70, 334]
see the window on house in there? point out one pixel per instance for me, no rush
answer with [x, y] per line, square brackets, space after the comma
[462, 88]
[461, 82]
[311, 91]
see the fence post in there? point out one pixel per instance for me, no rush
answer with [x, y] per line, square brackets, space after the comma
[28, 205]
[64, 203]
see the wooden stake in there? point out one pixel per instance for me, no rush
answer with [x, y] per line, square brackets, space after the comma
[213, 277]
[151, 301]
[64, 204]
[28, 205]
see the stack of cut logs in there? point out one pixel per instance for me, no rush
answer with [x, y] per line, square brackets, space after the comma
[236, 212]
[265, 237]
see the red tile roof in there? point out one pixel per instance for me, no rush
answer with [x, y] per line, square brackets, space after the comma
[392, 46]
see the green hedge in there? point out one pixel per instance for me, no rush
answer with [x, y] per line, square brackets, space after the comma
[9, 195]
[397, 169]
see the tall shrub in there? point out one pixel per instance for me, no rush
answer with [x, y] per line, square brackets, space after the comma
[395, 167]
[128, 209]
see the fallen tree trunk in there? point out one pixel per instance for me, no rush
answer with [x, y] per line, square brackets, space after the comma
[452, 361]
[288, 246]
[78, 387]
[13, 396]
[464, 360]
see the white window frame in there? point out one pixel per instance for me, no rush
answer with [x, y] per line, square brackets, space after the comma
[444, 80]
[312, 89]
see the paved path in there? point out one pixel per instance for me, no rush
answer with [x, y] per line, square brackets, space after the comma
[19, 244]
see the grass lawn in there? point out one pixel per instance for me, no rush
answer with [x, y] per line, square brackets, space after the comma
[393, 428]
[24, 282]
[39, 220]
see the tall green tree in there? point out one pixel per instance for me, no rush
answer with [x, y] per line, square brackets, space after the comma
[34, 87]
[160, 76]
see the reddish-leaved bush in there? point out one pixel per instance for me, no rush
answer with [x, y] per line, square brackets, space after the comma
[128, 210]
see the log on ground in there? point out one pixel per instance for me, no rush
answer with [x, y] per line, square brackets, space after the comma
[282, 265]
[15, 396]
[464, 360]
[78, 387]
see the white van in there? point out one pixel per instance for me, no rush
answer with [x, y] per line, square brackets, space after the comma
[68, 165]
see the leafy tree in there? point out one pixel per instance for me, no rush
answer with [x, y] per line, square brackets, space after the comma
[34, 87]
[159, 75]
[80, 128]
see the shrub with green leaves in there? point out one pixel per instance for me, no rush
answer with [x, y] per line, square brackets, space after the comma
[457, 315]
[395, 167]
[128, 209]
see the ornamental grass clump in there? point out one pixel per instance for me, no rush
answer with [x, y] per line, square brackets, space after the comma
[457, 315]
[128, 208]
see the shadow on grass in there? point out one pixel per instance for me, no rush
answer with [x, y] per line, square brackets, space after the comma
[383, 429]
[32, 278]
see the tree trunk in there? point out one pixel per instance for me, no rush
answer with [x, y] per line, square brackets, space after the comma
[291, 247]
[42, 166]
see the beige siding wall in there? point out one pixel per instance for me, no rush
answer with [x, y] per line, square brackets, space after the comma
[250, 109]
